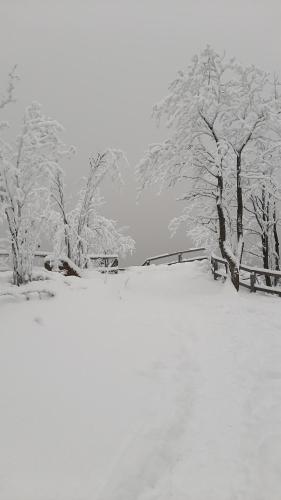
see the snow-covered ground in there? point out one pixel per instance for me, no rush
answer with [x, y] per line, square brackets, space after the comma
[154, 384]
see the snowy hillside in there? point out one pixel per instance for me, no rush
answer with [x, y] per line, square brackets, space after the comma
[155, 384]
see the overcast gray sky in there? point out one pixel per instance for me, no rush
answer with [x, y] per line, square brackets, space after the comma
[98, 66]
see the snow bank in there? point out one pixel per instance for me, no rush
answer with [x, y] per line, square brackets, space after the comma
[154, 384]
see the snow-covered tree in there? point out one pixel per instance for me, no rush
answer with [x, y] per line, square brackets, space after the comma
[262, 205]
[58, 217]
[25, 168]
[216, 111]
[83, 230]
[9, 94]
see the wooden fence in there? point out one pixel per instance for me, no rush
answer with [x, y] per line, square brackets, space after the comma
[102, 261]
[250, 276]
[179, 257]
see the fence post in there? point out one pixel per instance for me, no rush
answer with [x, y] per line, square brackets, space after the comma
[253, 282]
[180, 257]
[115, 263]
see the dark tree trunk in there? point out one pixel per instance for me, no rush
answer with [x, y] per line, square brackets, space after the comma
[221, 216]
[234, 272]
[18, 278]
[239, 216]
[276, 244]
[230, 258]
[265, 236]
[265, 256]
[232, 265]
[67, 239]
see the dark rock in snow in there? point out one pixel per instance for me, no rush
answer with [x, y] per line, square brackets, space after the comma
[62, 265]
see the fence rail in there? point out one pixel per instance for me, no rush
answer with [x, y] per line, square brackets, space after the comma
[179, 256]
[219, 267]
[250, 280]
[105, 260]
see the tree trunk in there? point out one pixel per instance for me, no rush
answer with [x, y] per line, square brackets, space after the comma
[276, 244]
[265, 236]
[265, 256]
[231, 261]
[67, 239]
[18, 277]
[239, 217]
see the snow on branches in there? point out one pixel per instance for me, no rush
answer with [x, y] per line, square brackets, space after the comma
[83, 230]
[32, 198]
[25, 168]
[8, 97]
[219, 113]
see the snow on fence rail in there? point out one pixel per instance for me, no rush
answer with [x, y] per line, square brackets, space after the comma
[249, 280]
[179, 256]
[104, 261]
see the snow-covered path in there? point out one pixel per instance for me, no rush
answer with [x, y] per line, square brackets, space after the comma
[156, 384]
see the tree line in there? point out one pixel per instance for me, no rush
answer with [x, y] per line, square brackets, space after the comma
[223, 148]
[32, 195]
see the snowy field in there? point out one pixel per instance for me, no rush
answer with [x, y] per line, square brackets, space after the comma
[154, 384]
